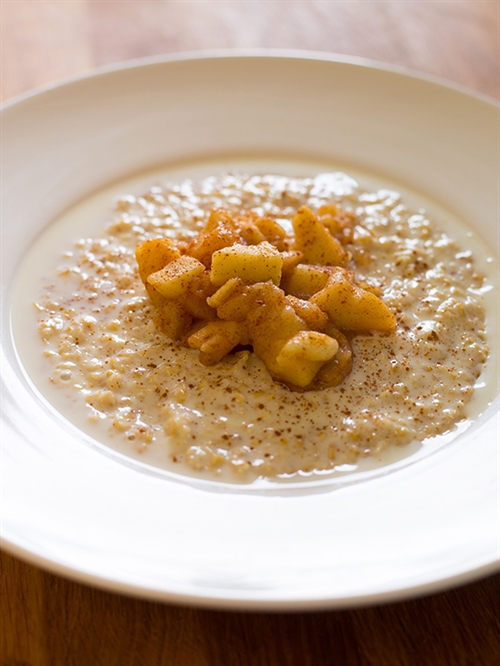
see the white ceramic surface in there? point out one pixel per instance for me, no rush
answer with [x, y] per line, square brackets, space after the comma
[71, 508]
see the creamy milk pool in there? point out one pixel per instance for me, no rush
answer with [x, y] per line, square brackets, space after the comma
[84, 331]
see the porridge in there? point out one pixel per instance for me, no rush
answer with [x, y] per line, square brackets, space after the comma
[230, 417]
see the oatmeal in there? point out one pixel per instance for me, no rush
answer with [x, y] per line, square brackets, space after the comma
[96, 322]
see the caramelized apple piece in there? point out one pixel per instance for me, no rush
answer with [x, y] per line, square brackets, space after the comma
[216, 339]
[305, 280]
[155, 254]
[351, 307]
[235, 299]
[154, 296]
[340, 223]
[302, 356]
[174, 279]
[312, 315]
[335, 371]
[248, 230]
[271, 323]
[173, 320]
[195, 299]
[273, 232]
[220, 231]
[316, 242]
[291, 259]
[250, 263]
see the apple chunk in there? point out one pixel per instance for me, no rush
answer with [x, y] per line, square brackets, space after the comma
[155, 254]
[250, 263]
[174, 279]
[351, 307]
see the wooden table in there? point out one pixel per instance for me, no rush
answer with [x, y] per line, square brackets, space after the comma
[48, 621]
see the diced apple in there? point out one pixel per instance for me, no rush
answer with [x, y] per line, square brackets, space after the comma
[303, 355]
[333, 372]
[174, 279]
[340, 223]
[305, 280]
[234, 300]
[216, 339]
[195, 299]
[291, 259]
[316, 242]
[250, 263]
[155, 254]
[154, 296]
[227, 290]
[351, 307]
[272, 231]
[310, 313]
[248, 230]
[220, 231]
[173, 320]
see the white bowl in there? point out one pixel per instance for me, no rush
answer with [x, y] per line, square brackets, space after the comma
[70, 508]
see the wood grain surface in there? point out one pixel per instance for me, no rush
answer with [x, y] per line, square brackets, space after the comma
[46, 620]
